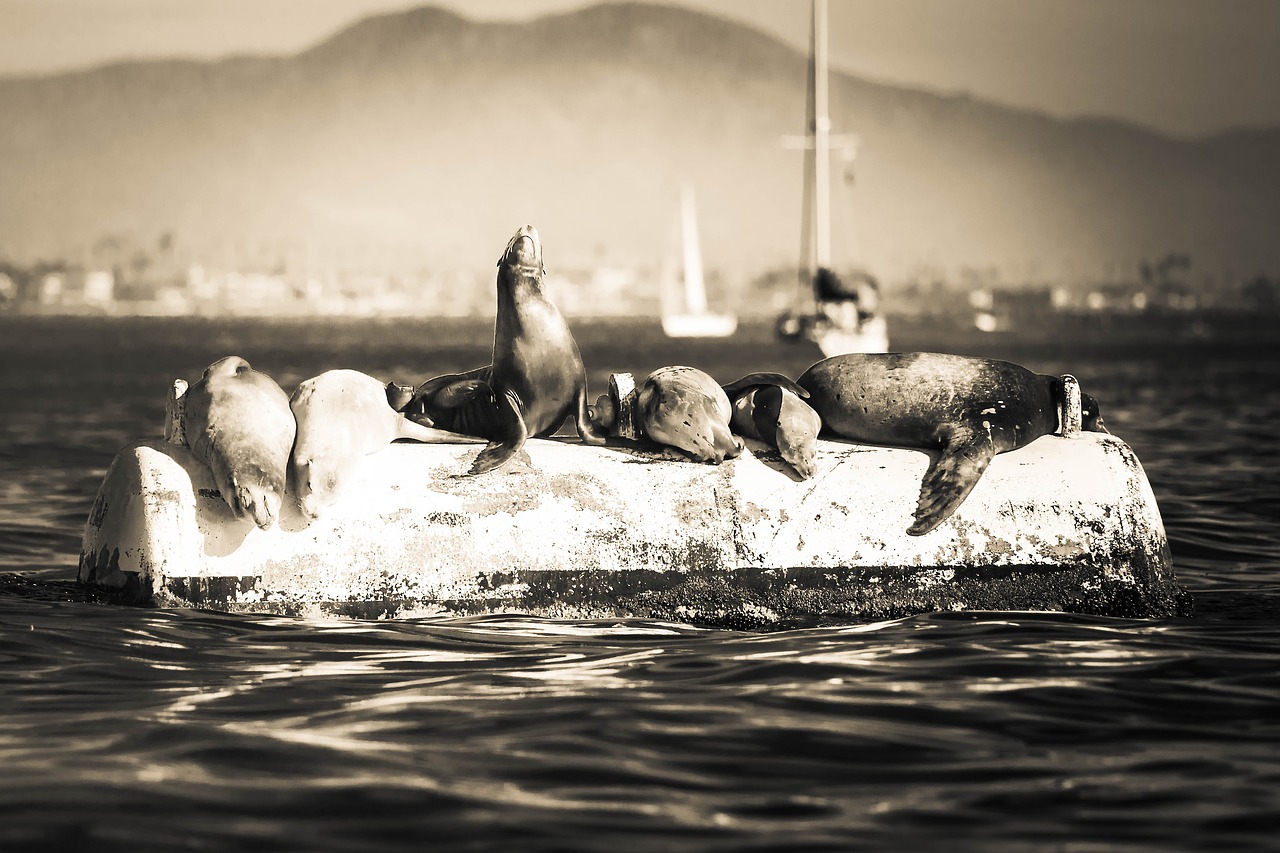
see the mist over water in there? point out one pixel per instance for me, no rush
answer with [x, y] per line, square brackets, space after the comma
[145, 729]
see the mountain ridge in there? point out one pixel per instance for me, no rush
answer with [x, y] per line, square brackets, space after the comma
[429, 131]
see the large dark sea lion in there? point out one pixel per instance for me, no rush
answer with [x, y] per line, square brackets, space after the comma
[237, 421]
[969, 409]
[536, 379]
[343, 416]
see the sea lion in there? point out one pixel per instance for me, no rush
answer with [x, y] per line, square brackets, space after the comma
[342, 416]
[536, 379]
[684, 408]
[970, 409]
[771, 408]
[237, 421]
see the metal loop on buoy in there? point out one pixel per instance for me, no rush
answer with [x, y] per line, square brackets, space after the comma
[622, 390]
[174, 409]
[1070, 418]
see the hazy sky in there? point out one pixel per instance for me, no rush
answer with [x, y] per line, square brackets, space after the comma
[1181, 66]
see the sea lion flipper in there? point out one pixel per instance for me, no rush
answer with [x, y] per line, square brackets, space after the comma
[429, 392]
[511, 422]
[948, 482]
[589, 430]
[460, 393]
[767, 379]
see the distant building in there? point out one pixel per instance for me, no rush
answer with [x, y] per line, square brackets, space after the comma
[1117, 298]
[51, 287]
[99, 288]
[1000, 309]
[77, 290]
[602, 291]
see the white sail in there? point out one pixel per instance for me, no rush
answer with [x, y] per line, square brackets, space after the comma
[684, 310]
[836, 326]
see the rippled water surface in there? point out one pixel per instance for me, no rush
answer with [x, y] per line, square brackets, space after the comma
[144, 729]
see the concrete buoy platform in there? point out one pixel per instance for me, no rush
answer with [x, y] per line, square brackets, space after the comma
[1068, 523]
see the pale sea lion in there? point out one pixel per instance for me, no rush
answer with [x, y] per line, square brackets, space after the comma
[536, 379]
[237, 421]
[771, 408]
[342, 416]
[684, 408]
[969, 409]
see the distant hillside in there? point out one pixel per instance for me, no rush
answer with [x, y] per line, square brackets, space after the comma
[436, 136]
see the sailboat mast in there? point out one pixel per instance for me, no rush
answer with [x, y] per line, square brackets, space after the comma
[695, 293]
[821, 137]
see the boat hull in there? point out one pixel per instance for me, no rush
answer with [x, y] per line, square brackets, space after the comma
[699, 325]
[871, 336]
[572, 531]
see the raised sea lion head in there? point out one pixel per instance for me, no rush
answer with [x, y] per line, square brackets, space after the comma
[524, 252]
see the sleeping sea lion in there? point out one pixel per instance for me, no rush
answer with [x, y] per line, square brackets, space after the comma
[342, 416]
[771, 408]
[237, 421]
[969, 409]
[684, 408]
[536, 379]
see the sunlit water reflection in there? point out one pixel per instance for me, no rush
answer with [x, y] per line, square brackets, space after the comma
[124, 728]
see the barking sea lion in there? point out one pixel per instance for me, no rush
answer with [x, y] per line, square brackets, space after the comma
[536, 379]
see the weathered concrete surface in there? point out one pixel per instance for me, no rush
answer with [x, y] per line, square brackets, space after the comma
[568, 530]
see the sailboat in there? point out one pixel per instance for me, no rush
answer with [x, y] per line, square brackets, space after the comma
[684, 297]
[839, 315]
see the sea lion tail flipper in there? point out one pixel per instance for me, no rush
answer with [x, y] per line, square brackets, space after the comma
[948, 482]
[511, 422]
[774, 379]
[431, 435]
[590, 431]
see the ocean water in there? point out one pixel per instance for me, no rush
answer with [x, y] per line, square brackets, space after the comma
[151, 729]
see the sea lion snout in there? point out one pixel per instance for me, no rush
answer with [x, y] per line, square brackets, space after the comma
[1091, 415]
[259, 502]
[524, 249]
[304, 493]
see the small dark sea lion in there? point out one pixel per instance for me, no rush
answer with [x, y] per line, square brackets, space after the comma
[969, 409]
[771, 408]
